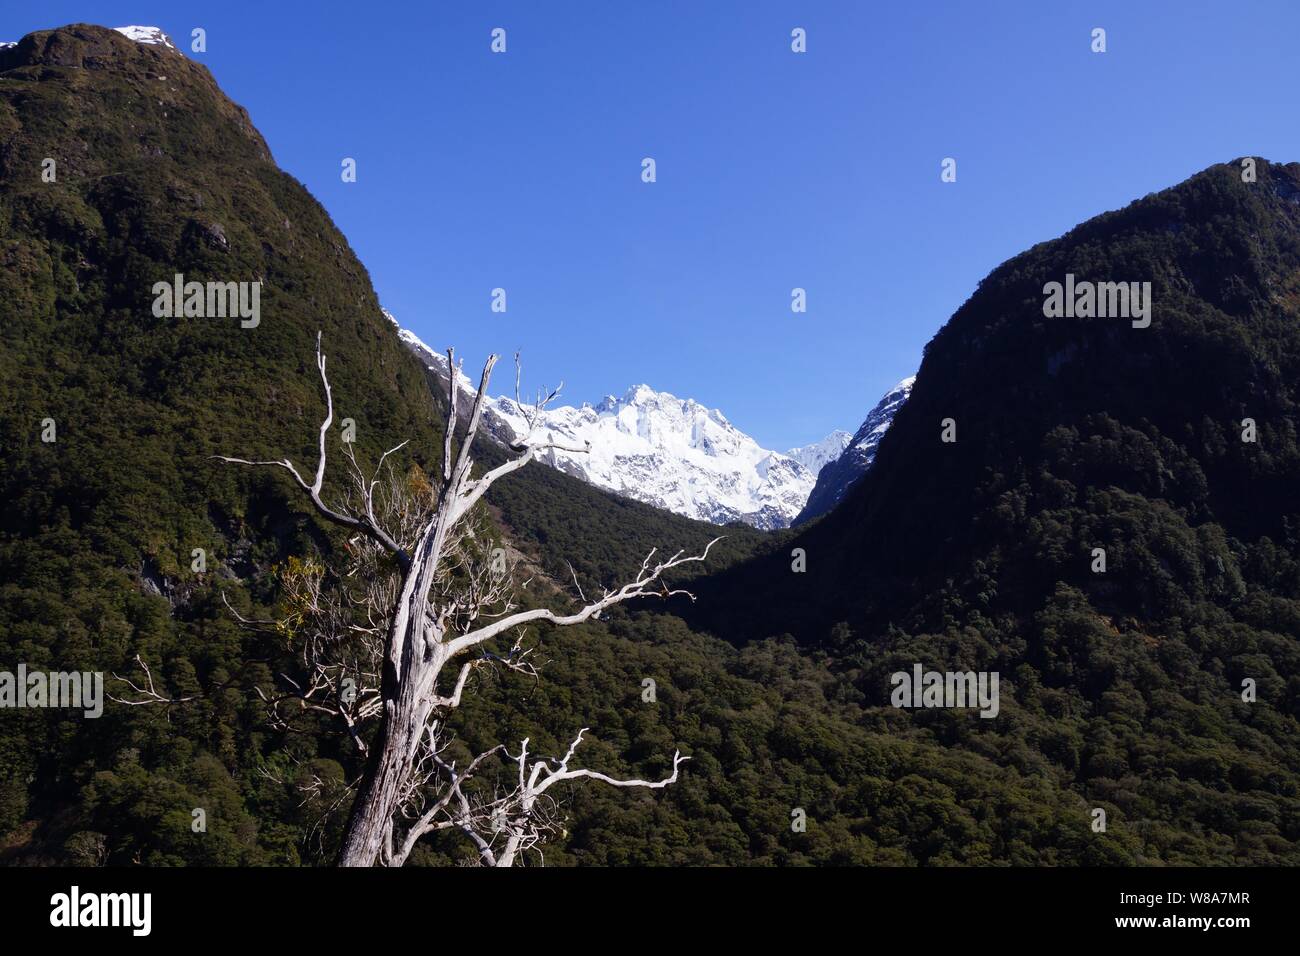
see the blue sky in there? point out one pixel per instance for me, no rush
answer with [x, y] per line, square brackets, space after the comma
[775, 170]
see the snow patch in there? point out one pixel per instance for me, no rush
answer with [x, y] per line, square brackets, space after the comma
[153, 36]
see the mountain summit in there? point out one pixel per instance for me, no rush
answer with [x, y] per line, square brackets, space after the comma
[150, 35]
[669, 452]
[672, 453]
[819, 454]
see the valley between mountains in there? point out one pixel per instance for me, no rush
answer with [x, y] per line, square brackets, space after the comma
[1120, 691]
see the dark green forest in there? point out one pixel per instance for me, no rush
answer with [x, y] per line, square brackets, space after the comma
[1076, 434]
[1119, 690]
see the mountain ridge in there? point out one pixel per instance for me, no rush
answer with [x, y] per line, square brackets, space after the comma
[840, 474]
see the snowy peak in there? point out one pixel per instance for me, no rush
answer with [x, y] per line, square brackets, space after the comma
[643, 397]
[670, 452]
[666, 422]
[878, 421]
[153, 36]
[819, 454]
[834, 480]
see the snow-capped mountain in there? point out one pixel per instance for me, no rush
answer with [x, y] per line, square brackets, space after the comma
[670, 452]
[836, 478]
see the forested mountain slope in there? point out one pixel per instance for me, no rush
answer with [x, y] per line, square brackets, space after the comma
[1076, 434]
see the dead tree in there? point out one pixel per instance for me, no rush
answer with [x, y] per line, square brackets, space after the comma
[419, 596]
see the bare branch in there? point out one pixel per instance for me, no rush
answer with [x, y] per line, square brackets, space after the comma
[427, 820]
[633, 589]
[366, 525]
[564, 773]
[149, 694]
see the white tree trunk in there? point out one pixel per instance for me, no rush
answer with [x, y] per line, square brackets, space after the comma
[428, 624]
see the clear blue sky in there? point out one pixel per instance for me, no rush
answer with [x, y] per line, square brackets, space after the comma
[775, 170]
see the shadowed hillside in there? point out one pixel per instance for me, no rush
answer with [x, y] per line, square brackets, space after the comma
[1074, 434]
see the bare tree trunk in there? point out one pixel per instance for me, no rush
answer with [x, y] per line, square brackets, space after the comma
[405, 644]
[367, 840]
[371, 819]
